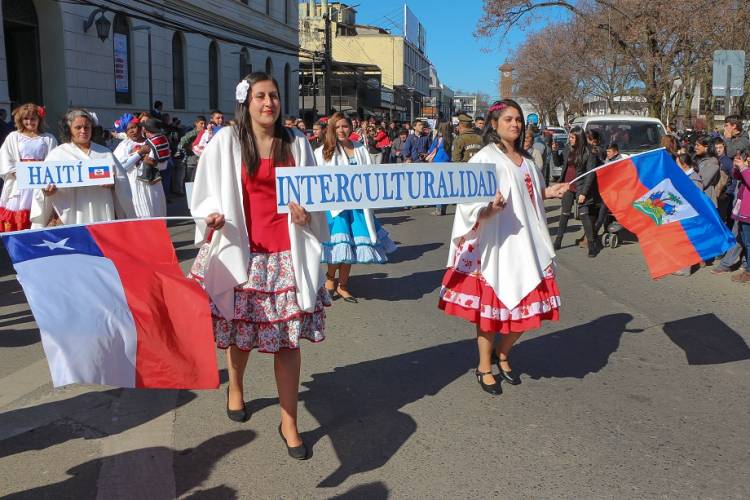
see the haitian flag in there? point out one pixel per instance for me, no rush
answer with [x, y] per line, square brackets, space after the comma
[99, 172]
[113, 306]
[676, 224]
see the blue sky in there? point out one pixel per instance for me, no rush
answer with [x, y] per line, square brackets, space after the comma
[451, 45]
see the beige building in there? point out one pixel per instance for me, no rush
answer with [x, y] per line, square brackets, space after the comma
[404, 66]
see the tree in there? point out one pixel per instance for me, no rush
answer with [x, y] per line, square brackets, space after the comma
[658, 41]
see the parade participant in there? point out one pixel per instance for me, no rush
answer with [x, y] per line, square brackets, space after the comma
[468, 141]
[27, 143]
[501, 262]
[156, 162]
[132, 153]
[260, 269]
[356, 236]
[577, 159]
[82, 205]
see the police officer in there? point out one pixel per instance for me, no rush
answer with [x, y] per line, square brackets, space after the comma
[468, 141]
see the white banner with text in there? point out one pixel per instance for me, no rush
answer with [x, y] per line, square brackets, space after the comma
[63, 174]
[388, 185]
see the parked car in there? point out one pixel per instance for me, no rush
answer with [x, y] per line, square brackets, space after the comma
[556, 130]
[633, 134]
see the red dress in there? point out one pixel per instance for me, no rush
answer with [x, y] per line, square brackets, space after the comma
[266, 314]
[466, 294]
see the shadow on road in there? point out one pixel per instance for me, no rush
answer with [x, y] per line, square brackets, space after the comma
[707, 340]
[395, 220]
[192, 467]
[369, 491]
[411, 287]
[91, 413]
[573, 352]
[412, 252]
[19, 338]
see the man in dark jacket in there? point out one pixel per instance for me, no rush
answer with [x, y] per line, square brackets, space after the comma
[415, 148]
[468, 141]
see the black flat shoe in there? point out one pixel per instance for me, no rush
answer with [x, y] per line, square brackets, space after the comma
[509, 377]
[493, 389]
[237, 415]
[298, 452]
[557, 245]
[350, 299]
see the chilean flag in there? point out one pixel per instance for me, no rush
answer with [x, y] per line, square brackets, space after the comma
[676, 224]
[113, 306]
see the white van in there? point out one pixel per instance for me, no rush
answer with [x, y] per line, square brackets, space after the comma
[633, 134]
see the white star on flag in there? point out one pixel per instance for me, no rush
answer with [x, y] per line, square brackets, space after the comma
[59, 245]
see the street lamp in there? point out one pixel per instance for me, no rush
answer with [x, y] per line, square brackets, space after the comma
[147, 29]
[102, 24]
[412, 88]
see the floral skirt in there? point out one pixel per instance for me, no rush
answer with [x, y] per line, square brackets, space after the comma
[266, 314]
[466, 294]
[15, 211]
[350, 240]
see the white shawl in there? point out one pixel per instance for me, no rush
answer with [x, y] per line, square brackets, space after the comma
[340, 158]
[9, 154]
[514, 245]
[218, 189]
[84, 205]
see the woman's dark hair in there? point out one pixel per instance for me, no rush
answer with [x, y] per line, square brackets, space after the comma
[281, 151]
[581, 149]
[707, 143]
[614, 146]
[331, 141]
[686, 159]
[67, 121]
[594, 135]
[445, 130]
[490, 135]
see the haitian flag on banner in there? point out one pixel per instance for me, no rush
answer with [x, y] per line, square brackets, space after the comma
[676, 224]
[113, 306]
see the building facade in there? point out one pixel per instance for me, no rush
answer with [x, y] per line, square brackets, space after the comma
[404, 66]
[94, 54]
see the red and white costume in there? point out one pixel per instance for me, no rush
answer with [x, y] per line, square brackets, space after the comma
[148, 199]
[15, 203]
[501, 269]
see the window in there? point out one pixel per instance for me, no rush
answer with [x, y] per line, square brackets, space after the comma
[245, 67]
[178, 70]
[213, 75]
[287, 87]
[268, 7]
[269, 66]
[121, 52]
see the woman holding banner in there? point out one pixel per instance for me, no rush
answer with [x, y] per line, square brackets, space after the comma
[87, 204]
[356, 236]
[261, 269]
[501, 262]
[27, 143]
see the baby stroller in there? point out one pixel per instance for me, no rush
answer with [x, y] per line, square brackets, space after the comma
[612, 229]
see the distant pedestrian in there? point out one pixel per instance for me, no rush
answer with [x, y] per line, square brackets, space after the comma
[439, 152]
[415, 148]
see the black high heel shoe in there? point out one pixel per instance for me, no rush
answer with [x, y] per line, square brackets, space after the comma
[493, 389]
[509, 377]
[298, 452]
[237, 415]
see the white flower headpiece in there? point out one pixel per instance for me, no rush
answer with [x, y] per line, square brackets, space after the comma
[241, 91]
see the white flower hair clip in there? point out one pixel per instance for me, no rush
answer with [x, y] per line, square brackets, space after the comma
[241, 91]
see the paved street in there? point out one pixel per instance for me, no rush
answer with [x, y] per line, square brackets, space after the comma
[640, 391]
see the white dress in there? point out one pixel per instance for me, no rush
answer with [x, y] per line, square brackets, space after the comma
[84, 205]
[15, 204]
[148, 199]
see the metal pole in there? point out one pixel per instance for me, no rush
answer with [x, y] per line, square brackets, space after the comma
[728, 94]
[150, 79]
[328, 62]
[314, 88]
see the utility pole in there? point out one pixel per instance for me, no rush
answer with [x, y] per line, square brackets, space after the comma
[328, 63]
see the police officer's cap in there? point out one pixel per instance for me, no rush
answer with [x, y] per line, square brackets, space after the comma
[464, 118]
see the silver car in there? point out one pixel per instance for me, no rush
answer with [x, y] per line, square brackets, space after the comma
[556, 171]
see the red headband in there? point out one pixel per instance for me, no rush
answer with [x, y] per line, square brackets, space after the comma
[41, 112]
[498, 107]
